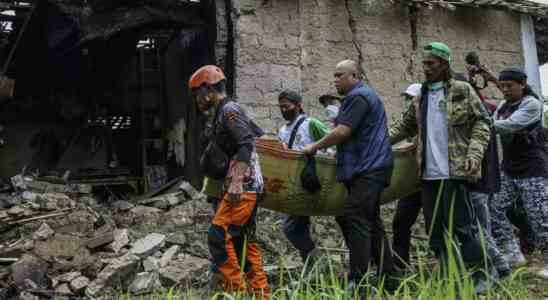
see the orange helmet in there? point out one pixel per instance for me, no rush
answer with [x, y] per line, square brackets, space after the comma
[209, 75]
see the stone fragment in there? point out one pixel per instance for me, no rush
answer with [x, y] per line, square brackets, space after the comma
[63, 290]
[31, 285]
[54, 201]
[176, 239]
[121, 239]
[28, 245]
[149, 244]
[68, 277]
[183, 271]
[122, 205]
[168, 255]
[29, 267]
[114, 274]
[151, 264]
[27, 296]
[43, 233]
[29, 196]
[19, 182]
[192, 192]
[100, 239]
[83, 188]
[144, 283]
[165, 201]
[79, 284]
[16, 211]
[65, 253]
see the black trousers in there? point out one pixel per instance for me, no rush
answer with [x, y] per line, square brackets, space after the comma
[407, 212]
[447, 204]
[363, 229]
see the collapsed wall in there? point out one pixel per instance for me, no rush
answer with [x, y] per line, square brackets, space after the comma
[295, 44]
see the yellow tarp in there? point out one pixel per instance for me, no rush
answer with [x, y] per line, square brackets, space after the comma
[283, 191]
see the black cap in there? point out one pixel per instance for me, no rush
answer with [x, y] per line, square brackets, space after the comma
[291, 96]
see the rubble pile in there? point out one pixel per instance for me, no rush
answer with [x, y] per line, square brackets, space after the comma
[57, 241]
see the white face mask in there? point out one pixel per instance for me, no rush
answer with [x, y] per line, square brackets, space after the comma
[332, 111]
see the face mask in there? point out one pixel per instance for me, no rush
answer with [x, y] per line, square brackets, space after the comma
[332, 111]
[289, 115]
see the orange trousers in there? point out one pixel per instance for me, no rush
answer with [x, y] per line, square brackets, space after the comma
[235, 251]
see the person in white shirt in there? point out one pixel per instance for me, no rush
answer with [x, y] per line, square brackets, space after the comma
[299, 132]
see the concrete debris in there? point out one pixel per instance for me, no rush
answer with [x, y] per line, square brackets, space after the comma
[79, 284]
[151, 264]
[144, 283]
[43, 233]
[192, 192]
[115, 274]
[165, 201]
[31, 285]
[168, 255]
[183, 271]
[121, 240]
[19, 182]
[63, 290]
[29, 196]
[122, 205]
[28, 245]
[28, 296]
[54, 201]
[29, 267]
[16, 211]
[68, 277]
[100, 239]
[148, 245]
[89, 250]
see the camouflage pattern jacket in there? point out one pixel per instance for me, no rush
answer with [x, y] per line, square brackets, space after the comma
[468, 127]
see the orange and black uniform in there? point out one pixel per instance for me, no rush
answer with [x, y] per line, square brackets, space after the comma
[232, 232]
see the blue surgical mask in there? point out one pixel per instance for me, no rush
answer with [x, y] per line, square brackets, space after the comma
[332, 111]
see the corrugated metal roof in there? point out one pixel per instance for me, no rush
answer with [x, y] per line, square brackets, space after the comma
[534, 8]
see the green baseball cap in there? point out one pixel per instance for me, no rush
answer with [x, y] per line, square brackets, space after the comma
[438, 49]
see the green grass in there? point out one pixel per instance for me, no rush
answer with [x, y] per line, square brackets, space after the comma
[425, 284]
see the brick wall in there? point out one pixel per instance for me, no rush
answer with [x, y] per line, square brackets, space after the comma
[296, 43]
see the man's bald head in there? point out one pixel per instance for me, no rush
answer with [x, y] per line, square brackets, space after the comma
[347, 75]
[348, 66]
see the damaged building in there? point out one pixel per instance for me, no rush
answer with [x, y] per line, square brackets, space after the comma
[100, 91]
[95, 107]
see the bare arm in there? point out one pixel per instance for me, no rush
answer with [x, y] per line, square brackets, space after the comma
[337, 136]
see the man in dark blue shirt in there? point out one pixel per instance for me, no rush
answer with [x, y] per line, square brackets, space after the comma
[364, 165]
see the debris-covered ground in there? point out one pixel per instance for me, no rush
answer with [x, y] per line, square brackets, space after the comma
[61, 241]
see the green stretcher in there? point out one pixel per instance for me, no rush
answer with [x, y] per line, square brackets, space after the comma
[284, 193]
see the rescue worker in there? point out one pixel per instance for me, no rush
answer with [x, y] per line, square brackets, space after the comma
[452, 129]
[408, 208]
[364, 165]
[231, 154]
[518, 121]
[299, 132]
